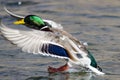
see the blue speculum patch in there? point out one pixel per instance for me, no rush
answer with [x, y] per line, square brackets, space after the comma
[57, 50]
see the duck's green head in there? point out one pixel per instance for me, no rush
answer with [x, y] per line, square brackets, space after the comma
[93, 61]
[31, 20]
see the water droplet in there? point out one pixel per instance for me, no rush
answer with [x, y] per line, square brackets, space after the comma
[19, 3]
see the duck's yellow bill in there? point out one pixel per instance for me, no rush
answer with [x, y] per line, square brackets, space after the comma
[21, 21]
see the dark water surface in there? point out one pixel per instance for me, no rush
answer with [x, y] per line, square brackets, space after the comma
[94, 21]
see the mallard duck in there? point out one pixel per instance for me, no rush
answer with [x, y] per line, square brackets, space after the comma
[47, 38]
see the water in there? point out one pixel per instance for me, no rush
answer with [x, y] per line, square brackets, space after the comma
[94, 21]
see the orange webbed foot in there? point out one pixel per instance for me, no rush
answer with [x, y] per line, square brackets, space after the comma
[60, 69]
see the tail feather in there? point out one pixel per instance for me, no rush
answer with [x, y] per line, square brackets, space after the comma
[95, 70]
[93, 61]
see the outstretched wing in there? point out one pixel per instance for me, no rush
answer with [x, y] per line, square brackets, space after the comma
[34, 41]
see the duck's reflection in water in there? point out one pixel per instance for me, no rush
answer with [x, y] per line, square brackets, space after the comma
[64, 76]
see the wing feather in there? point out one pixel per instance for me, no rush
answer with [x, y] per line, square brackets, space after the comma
[33, 41]
[12, 14]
